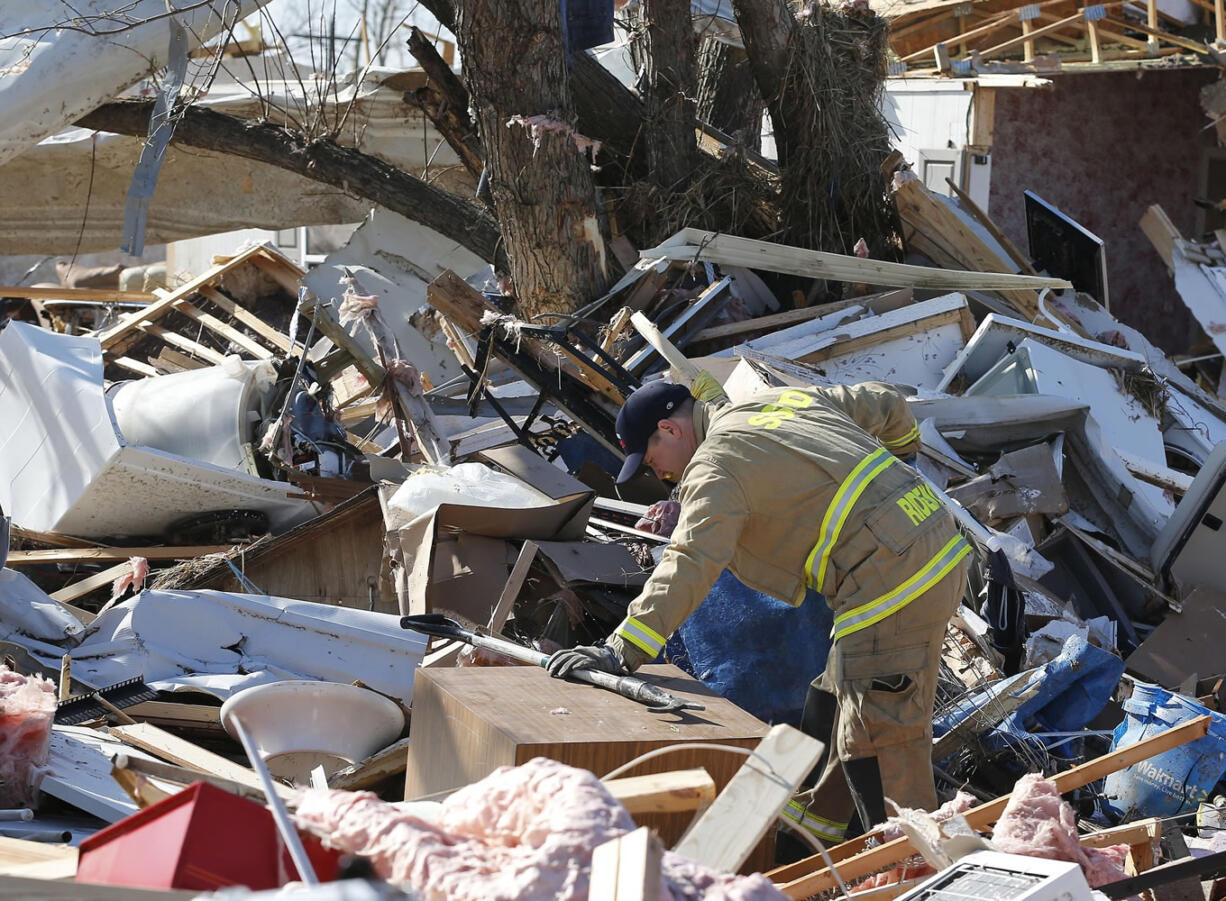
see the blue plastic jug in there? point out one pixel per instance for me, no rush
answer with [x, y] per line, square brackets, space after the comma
[1176, 780]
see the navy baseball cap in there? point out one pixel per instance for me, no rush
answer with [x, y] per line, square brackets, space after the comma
[638, 418]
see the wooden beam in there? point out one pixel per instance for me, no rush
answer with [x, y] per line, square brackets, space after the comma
[181, 775]
[284, 271]
[725, 835]
[1096, 53]
[627, 868]
[201, 717]
[158, 742]
[231, 334]
[170, 360]
[1002, 21]
[90, 583]
[141, 369]
[55, 539]
[811, 876]
[711, 247]
[510, 591]
[192, 347]
[327, 326]
[1075, 19]
[775, 321]
[674, 792]
[119, 337]
[91, 294]
[78, 555]
[247, 318]
[1177, 40]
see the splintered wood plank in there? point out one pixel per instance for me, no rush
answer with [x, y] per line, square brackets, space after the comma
[938, 232]
[673, 792]
[17, 854]
[514, 583]
[724, 836]
[811, 876]
[373, 770]
[202, 717]
[246, 317]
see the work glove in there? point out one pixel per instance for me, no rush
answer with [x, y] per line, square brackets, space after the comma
[706, 388]
[660, 518]
[597, 657]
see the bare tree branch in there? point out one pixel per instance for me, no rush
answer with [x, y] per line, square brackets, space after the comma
[321, 160]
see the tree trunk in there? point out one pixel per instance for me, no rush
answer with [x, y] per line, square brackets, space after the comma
[727, 95]
[540, 176]
[665, 52]
[322, 160]
[822, 79]
[766, 28]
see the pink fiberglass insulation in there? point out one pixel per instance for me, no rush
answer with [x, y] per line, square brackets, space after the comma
[523, 832]
[27, 709]
[1037, 822]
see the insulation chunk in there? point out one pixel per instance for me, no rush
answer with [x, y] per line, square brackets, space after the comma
[523, 832]
[27, 709]
[1037, 822]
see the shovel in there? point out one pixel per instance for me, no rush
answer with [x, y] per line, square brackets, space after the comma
[656, 699]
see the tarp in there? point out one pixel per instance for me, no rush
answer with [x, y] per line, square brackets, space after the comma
[1072, 689]
[758, 652]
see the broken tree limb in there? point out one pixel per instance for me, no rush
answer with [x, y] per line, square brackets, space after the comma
[810, 876]
[445, 102]
[322, 160]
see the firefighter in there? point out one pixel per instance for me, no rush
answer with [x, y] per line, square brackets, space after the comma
[797, 488]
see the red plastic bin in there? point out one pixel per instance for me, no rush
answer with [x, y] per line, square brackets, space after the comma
[202, 838]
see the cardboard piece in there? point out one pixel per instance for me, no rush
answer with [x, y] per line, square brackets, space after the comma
[1178, 649]
[457, 557]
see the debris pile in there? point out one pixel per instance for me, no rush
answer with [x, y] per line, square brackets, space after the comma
[258, 509]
